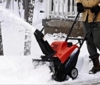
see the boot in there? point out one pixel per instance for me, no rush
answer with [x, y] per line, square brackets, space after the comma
[96, 66]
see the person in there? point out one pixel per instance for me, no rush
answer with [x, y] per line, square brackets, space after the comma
[89, 9]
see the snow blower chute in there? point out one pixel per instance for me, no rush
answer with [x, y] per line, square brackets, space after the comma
[62, 55]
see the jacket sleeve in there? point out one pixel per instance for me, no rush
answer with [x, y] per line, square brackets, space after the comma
[78, 1]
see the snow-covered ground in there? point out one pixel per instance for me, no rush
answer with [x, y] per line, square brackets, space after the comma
[15, 68]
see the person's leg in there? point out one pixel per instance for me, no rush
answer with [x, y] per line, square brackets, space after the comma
[96, 40]
[90, 44]
[92, 49]
[96, 35]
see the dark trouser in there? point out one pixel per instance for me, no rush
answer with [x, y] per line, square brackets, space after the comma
[93, 39]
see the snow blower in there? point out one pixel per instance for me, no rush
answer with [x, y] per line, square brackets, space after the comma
[61, 55]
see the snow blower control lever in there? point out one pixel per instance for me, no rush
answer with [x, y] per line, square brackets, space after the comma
[61, 55]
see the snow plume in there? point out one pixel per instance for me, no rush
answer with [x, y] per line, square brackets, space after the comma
[13, 32]
[8, 17]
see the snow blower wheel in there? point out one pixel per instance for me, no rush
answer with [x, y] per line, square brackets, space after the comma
[74, 73]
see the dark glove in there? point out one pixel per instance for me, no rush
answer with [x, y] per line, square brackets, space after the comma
[80, 7]
[95, 9]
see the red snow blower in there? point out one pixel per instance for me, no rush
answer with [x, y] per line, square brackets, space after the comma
[61, 55]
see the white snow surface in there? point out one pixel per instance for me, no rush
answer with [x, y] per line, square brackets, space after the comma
[15, 68]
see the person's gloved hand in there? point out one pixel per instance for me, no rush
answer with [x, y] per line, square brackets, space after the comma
[95, 9]
[80, 7]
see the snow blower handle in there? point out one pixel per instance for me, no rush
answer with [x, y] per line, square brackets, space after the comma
[72, 26]
[75, 22]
